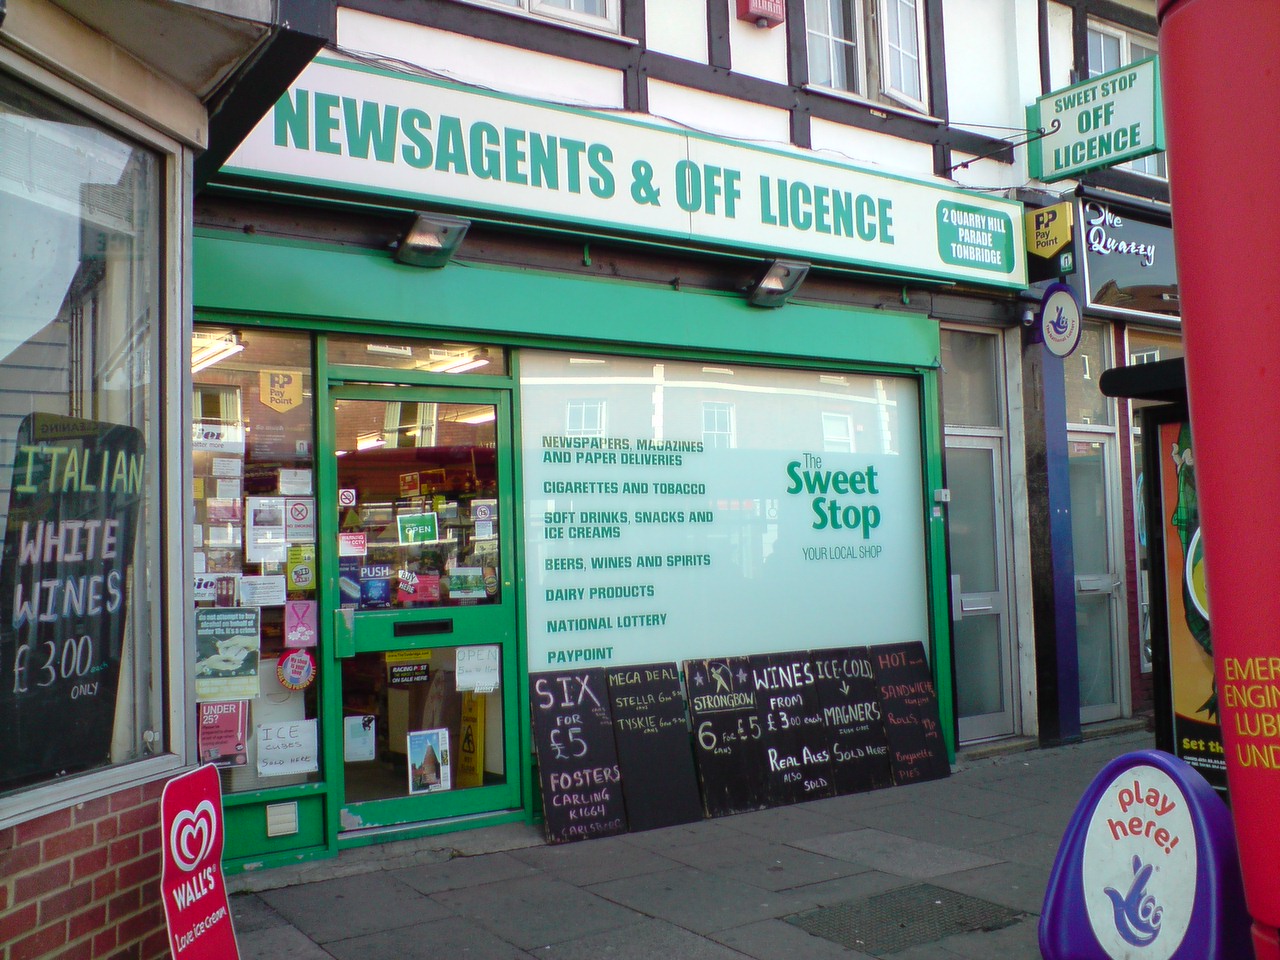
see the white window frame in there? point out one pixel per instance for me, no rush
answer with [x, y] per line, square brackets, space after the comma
[548, 10]
[174, 513]
[730, 411]
[883, 50]
[833, 442]
[578, 408]
[1148, 166]
[887, 54]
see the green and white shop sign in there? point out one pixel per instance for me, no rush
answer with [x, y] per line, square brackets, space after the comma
[355, 127]
[1100, 122]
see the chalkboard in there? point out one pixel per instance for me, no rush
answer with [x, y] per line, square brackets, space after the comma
[727, 735]
[797, 751]
[577, 761]
[651, 730]
[77, 488]
[917, 751]
[852, 719]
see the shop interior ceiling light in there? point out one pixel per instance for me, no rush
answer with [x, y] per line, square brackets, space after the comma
[432, 240]
[779, 282]
[207, 350]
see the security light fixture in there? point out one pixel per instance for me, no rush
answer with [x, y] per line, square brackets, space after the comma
[779, 282]
[432, 240]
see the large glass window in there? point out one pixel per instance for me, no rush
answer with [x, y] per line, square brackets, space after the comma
[872, 48]
[256, 622]
[654, 540]
[81, 281]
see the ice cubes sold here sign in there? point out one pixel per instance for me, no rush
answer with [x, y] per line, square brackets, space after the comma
[195, 895]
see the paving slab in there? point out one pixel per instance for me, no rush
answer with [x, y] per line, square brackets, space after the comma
[645, 940]
[699, 901]
[533, 912]
[451, 937]
[779, 940]
[596, 861]
[350, 906]
[904, 856]
[460, 872]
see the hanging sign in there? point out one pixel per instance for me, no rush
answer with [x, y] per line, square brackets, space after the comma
[1060, 320]
[1100, 122]
[196, 910]
[354, 126]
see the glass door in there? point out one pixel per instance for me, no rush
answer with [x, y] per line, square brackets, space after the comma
[1099, 582]
[980, 600]
[425, 627]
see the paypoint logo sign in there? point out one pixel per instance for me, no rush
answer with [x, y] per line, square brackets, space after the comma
[840, 497]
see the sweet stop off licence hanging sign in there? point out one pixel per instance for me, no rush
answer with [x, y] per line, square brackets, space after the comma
[195, 895]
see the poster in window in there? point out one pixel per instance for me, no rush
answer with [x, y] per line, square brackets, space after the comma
[1197, 736]
[223, 735]
[429, 761]
[228, 641]
[76, 493]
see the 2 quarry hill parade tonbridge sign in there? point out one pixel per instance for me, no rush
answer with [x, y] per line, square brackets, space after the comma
[354, 127]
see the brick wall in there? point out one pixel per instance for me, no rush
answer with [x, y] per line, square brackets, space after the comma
[84, 883]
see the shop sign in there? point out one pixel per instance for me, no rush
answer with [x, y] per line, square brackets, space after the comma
[353, 126]
[417, 528]
[1129, 262]
[1148, 868]
[1060, 320]
[196, 910]
[1108, 119]
[1050, 246]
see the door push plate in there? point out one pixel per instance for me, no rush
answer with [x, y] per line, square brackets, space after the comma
[344, 632]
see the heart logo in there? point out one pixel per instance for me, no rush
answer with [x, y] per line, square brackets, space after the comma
[192, 835]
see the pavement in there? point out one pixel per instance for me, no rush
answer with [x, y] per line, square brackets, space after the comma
[953, 868]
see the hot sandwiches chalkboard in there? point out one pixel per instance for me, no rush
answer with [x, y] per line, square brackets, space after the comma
[577, 761]
[917, 751]
[76, 492]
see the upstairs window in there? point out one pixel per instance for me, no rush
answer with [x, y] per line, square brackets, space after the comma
[1111, 48]
[600, 14]
[870, 48]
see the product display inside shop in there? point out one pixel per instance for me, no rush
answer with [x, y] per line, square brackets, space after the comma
[255, 558]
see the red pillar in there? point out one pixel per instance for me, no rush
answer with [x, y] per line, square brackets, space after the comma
[1220, 70]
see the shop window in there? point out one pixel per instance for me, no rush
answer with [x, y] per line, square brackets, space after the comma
[600, 14]
[971, 382]
[1085, 401]
[256, 622]
[870, 48]
[418, 356]
[718, 425]
[81, 574]
[1111, 48]
[585, 418]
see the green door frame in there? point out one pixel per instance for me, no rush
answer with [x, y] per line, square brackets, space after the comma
[348, 632]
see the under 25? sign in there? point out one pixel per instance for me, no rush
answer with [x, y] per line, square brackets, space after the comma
[195, 894]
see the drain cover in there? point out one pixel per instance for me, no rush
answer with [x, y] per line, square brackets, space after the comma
[907, 917]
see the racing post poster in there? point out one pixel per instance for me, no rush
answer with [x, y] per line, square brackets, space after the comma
[196, 908]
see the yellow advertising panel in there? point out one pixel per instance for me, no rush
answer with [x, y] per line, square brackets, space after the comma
[1049, 228]
[470, 748]
[281, 390]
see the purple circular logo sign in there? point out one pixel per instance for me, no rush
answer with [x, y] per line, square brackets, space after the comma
[1060, 320]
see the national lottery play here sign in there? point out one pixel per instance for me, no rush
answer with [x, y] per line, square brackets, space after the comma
[363, 129]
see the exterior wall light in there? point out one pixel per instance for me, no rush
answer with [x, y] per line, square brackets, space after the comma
[432, 240]
[779, 282]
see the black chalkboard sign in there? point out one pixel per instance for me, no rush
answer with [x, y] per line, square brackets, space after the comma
[796, 749]
[852, 719]
[917, 751]
[577, 761]
[651, 730]
[75, 495]
[727, 735]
